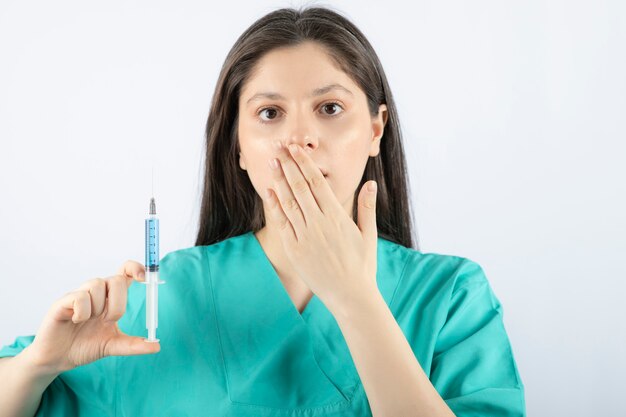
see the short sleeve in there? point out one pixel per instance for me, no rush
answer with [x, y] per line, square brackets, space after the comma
[473, 366]
[18, 345]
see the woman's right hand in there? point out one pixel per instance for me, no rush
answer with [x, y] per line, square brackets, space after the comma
[81, 327]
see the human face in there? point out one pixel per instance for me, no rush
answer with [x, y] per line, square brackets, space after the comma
[334, 127]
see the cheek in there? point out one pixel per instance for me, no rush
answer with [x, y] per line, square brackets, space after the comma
[349, 144]
[348, 164]
[349, 135]
[255, 153]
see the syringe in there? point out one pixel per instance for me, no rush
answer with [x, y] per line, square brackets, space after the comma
[152, 273]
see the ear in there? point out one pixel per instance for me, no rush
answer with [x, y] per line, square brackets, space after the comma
[378, 127]
[242, 164]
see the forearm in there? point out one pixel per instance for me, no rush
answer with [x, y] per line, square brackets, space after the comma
[394, 382]
[23, 384]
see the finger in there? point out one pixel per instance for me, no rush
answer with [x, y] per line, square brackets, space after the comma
[132, 270]
[117, 294]
[74, 306]
[279, 218]
[366, 213]
[318, 186]
[97, 291]
[124, 345]
[286, 200]
[298, 183]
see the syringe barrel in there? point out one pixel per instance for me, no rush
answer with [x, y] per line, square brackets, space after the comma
[152, 300]
[152, 243]
[152, 272]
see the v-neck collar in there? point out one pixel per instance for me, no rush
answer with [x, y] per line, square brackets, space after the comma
[273, 355]
[267, 346]
[385, 285]
[271, 273]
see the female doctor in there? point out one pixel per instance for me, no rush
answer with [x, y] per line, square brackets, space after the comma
[303, 295]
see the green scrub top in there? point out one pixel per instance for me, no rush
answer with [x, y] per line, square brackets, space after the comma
[234, 344]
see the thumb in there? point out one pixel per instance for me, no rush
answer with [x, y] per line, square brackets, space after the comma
[366, 216]
[124, 345]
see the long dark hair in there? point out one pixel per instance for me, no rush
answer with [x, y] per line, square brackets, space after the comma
[230, 204]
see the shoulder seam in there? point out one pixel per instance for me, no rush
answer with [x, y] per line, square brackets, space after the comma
[477, 279]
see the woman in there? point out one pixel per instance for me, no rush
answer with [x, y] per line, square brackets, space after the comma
[303, 294]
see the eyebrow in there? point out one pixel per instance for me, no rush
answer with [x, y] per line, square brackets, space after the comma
[317, 92]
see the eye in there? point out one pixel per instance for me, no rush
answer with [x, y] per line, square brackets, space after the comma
[332, 105]
[271, 111]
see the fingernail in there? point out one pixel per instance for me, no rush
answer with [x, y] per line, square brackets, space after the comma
[277, 144]
[273, 163]
[293, 148]
[141, 275]
[371, 186]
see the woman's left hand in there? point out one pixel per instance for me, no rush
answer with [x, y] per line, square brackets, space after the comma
[331, 254]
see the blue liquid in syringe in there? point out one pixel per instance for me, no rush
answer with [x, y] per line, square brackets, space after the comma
[152, 239]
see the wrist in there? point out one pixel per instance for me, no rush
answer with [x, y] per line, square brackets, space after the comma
[34, 366]
[357, 305]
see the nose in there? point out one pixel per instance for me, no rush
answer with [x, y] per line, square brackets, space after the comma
[301, 130]
[308, 142]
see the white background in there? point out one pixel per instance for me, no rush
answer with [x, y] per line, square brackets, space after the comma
[513, 116]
